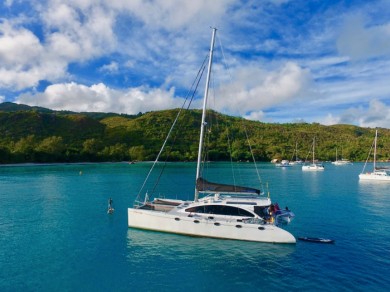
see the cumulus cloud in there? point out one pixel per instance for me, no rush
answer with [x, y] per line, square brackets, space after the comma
[70, 35]
[255, 116]
[24, 61]
[377, 114]
[254, 89]
[82, 27]
[100, 98]
[113, 67]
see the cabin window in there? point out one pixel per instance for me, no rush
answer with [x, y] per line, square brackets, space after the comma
[261, 210]
[220, 210]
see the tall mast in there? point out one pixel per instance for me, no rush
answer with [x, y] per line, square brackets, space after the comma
[203, 124]
[314, 145]
[376, 136]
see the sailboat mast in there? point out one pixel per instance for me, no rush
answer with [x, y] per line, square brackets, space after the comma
[203, 124]
[314, 145]
[376, 136]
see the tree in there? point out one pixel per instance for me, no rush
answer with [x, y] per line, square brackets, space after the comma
[137, 153]
[51, 149]
[25, 148]
[117, 152]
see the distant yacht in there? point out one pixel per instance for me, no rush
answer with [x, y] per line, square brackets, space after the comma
[283, 163]
[313, 166]
[378, 173]
[297, 160]
[342, 161]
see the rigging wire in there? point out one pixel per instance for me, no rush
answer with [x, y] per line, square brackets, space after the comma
[179, 127]
[247, 138]
[368, 157]
[193, 90]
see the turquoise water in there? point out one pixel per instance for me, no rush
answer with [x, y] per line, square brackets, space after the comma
[55, 234]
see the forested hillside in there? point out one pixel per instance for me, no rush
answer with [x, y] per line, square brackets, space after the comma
[33, 134]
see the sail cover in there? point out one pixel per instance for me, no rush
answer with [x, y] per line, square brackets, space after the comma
[203, 185]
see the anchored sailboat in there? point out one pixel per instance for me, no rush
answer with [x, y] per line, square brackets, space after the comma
[378, 173]
[225, 211]
[343, 161]
[313, 166]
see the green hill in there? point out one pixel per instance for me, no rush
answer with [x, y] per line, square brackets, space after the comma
[35, 134]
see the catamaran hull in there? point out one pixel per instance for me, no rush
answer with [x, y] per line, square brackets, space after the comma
[372, 176]
[203, 227]
[313, 168]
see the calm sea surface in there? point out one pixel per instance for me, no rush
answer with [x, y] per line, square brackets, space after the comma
[55, 234]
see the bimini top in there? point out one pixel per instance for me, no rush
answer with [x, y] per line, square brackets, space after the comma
[203, 185]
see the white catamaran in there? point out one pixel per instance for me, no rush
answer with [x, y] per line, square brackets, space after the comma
[218, 210]
[378, 173]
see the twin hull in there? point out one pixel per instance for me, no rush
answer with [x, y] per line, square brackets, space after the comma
[372, 176]
[199, 226]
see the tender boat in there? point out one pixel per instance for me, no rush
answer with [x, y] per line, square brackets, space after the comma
[316, 239]
[224, 211]
[283, 163]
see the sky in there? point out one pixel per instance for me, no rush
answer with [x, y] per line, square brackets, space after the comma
[276, 61]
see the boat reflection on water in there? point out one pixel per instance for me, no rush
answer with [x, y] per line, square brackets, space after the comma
[374, 197]
[145, 245]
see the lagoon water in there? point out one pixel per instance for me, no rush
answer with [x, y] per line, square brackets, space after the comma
[55, 233]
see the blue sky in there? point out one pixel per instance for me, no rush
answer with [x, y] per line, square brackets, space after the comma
[283, 60]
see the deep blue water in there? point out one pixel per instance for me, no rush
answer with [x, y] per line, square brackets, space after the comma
[55, 234]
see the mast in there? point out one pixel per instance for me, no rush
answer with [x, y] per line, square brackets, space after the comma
[376, 136]
[314, 145]
[203, 124]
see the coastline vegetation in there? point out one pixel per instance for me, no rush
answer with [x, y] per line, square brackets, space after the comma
[39, 135]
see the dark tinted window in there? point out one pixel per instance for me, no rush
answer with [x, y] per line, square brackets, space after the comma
[220, 210]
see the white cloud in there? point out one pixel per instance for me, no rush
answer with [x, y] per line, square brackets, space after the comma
[112, 67]
[2, 98]
[100, 98]
[376, 115]
[255, 90]
[84, 26]
[255, 116]
[13, 46]
[24, 61]
[69, 36]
